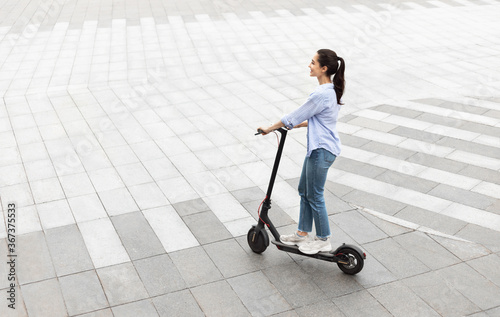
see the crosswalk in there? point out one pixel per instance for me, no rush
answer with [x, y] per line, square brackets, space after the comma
[487, 191]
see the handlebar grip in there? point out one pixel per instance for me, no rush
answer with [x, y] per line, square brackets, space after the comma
[259, 131]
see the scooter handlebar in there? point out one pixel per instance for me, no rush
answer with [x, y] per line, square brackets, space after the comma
[280, 130]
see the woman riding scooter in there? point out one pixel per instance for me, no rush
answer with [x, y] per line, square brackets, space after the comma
[319, 114]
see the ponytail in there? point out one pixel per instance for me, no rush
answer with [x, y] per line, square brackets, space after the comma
[336, 67]
[339, 81]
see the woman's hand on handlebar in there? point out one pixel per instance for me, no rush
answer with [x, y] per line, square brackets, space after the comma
[263, 130]
[270, 129]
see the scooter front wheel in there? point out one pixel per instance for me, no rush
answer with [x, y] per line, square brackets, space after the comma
[258, 240]
[350, 261]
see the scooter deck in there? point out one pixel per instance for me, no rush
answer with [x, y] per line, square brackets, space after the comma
[325, 256]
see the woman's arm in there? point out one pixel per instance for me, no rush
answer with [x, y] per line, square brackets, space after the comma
[280, 124]
[270, 129]
[301, 125]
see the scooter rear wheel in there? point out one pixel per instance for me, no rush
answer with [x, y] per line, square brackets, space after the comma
[258, 240]
[353, 259]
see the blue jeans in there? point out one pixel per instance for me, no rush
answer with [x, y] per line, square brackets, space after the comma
[311, 188]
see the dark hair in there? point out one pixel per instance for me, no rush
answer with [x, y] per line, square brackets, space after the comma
[330, 59]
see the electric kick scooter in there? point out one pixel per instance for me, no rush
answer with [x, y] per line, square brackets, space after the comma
[349, 258]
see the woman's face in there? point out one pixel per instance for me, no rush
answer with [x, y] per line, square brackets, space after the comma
[316, 69]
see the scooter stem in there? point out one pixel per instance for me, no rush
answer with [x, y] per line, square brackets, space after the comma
[276, 164]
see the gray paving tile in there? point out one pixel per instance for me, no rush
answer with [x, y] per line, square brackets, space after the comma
[493, 312]
[472, 285]
[323, 308]
[99, 313]
[441, 120]
[353, 141]
[44, 298]
[431, 220]
[395, 258]
[335, 204]
[488, 267]
[121, 284]
[358, 227]
[35, 265]
[338, 190]
[137, 236]
[178, 304]
[259, 296]
[363, 169]
[159, 275]
[481, 128]
[390, 229]
[140, 308]
[218, 299]
[492, 114]
[472, 147]
[17, 308]
[339, 236]
[484, 174]
[494, 207]
[360, 303]
[417, 134]
[374, 273]
[373, 202]
[388, 150]
[407, 181]
[82, 293]
[465, 250]
[68, 251]
[392, 295]
[462, 196]
[437, 162]
[206, 227]
[191, 207]
[290, 313]
[326, 274]
[441, 296]
[488, 238]
[230, 258]
[429, 252]
[295, 285]
[398, 111]
[347, 118]
[195, 266]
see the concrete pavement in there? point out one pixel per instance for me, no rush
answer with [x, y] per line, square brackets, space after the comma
[127, 151]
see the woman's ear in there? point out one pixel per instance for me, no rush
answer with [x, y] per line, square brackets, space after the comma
[324, 69]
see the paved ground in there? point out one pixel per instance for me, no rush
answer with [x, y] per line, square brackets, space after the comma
[127, 147]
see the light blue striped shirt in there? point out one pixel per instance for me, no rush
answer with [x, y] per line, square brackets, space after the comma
[321, 110]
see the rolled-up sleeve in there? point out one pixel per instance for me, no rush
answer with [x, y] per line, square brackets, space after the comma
[311, 107]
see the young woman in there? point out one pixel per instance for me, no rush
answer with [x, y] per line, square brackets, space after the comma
[319, 114]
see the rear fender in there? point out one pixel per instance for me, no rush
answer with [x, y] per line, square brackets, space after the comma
[352, 247]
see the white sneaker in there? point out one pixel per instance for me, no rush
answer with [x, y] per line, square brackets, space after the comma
[293, 239]
[315, 246]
